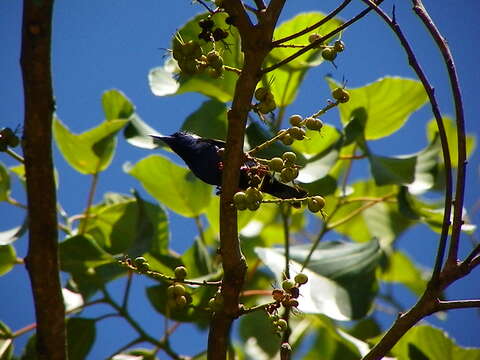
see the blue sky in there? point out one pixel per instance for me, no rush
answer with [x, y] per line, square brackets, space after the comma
[114, 43]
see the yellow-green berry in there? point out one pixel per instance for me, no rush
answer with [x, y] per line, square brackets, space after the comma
[339, 46]
[341, 95]
[275, 164]
[301, 278]
[297, 132]
[295, 120]
[287, 284]
[329, 54]
[313, 124]
[240, 200]
[180, 272]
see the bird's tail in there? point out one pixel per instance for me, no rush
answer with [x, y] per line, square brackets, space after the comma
[282, 191]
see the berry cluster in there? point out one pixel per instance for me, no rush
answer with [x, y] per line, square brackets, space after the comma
[266, 100]
[287, 297]
[8, 139]
[285, 166]
[141, 264]
[329, 52]
[192, 60]
[209, 33]
[250, 199]
[178, 297]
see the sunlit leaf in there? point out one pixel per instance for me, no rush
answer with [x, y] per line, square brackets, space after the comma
[342, 283]
[451, 131]
[137, 132]
[434, 344]
[317, 142]
[92, 151]
[8, 258]
[116, 105]
[81, 252]
[9, 236]
[129, 225]
[389, 102]
[4, 182]
[174, 186]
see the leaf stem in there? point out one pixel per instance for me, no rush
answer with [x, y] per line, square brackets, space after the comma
[91, 194]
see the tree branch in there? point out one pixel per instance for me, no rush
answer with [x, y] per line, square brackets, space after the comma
[412, 60]
[314, 44]
[327, 18]
[462, 152]
[42, 257]
[458, 304]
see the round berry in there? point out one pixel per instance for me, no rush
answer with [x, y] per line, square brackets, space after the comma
[287, 139]
[179, 290]
[301, 278]
[339, 46]
[253, 206]
[297, 132]
[180, 272]
[275, 164]
[181, 301]
[329, 54]
[253, 195]
[315, 204]
[288, 284]
[240, 200]
[278, 294]
[295, 120]
[139, 261]
[219, 34]
[261, 93]
[341, 95]
[282, 324]
[267, 106]
[214, 59]
[313, 124]
[171, 291]
[289, 157]
[206, 24]
[313, 37]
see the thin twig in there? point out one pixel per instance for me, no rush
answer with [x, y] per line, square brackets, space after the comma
[91, 194]
[458, 304]
[459, 117]
[327, 18]
[128, 286]
[315, 44]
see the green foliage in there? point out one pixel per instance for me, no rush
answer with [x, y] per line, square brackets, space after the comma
[186, 194]
[389, 103]
[343, 277]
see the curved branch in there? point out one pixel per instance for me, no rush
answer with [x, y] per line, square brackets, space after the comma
[462, 152]
[441, 130]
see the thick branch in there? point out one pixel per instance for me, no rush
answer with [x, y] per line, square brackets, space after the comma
[42, 258]
[462, 152]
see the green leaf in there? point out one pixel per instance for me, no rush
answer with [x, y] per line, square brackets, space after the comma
[80, 337]
[137, 133]
[4, 182]
[221, 89]
[430, 213]
[342, 282]
[209, 121]
[87, 281]
[90, 152]
[81, 252]
[259, 327]
[451, 131]
[389, 102]
[334, 344]
[354, 129]
[8, 258]
[129, 225]
[116, 105]
[392, 170]
[197, 260]
[401, 269]
[317, 142]
[381, 220]
[434, 344]
[6, 342]
[174, 186]
[9, 236]
[416, 170]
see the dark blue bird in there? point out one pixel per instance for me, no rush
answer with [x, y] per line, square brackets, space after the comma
[204, 160]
